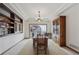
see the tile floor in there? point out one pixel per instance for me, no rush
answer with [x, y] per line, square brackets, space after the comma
[25, 47]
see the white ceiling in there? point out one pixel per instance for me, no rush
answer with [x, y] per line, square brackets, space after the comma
[30, 10]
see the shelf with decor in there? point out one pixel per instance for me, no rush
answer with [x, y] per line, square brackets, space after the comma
[6, 26]
[8, 22]
[59, 30]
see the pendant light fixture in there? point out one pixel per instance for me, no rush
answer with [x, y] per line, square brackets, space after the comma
[39, 18]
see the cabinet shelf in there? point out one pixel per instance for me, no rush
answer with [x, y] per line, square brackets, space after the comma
[59, 30]
[11, 22]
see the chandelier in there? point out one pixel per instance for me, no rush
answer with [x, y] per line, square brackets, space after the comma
[39, 18]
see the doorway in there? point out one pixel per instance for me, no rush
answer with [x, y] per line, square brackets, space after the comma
[35, 29]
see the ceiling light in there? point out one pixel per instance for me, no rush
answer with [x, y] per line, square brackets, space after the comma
[39, 18]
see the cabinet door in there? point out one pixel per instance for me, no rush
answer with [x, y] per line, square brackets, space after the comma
[62, 30]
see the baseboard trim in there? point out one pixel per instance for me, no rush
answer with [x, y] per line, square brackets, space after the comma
[26, 37]
[72, 49]
[11, 47]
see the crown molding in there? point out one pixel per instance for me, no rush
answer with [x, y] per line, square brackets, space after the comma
[59, 11]
[63, 8]
[18, 10]
[15, 9]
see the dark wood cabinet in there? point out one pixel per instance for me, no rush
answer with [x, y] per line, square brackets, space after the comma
[60, 30]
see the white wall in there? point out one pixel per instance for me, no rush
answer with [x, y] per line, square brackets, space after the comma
[8, 41]
[33, 21]
[72, 26]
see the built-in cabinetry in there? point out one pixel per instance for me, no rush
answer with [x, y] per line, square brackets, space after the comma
[9, 21]
[59, 30]
[6, 25]
[11, 29]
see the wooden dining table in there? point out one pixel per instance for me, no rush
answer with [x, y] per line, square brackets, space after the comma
[40, 41]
